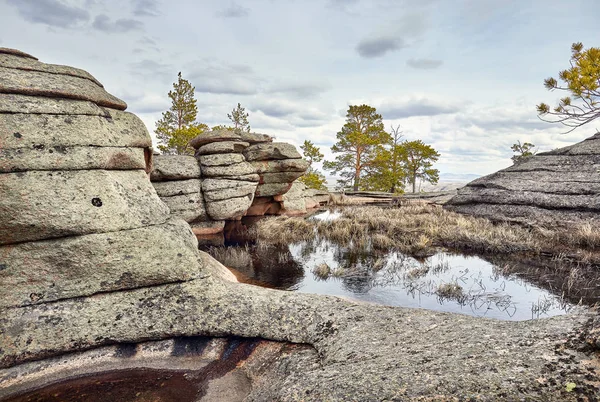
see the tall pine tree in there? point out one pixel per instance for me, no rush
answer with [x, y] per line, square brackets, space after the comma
[357, 140]
[178, 124]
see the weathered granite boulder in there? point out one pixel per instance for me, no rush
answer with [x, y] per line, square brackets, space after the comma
[215, 136]
[255, 138]
[174, 167]
[293, 202]
[556, 187]
[225, 147]
[76, 200]
[220, 159]
[270, 151]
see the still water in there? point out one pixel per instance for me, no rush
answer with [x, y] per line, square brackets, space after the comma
[443, 282]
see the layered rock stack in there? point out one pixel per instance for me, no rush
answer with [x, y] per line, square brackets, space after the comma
[233, 174]
[278, 164]
[229, 181]
[559, 187]
[75, 197]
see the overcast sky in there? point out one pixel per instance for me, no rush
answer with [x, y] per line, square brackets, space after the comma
[461, 75]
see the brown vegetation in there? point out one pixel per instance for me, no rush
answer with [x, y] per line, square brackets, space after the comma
[416, 229]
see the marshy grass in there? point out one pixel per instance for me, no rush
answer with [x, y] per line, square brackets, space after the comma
[450, 291]
[322, 271]
[418, 229]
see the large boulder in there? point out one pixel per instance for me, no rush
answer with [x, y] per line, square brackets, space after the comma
[76, 200]
[215, 136]
[556, 187]
[223, 147]
[174, 167]
[271, 150]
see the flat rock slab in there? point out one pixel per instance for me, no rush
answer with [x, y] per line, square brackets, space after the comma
[411, 353]
[221, 159]
[283, 165]
[224, 147]
[215, 136]
[29, 64]
[525, 214]
[44, 271]
[224, 184]
[560, 187]
[15, 52]
[281, 177]
[116, 129]
[36, 83]
[236, 169]
[229, 209]
[71, 158]
[255, 138]
[174, 167]
[246, 190]
[15, 103]
[207, 228]
[585, 202]
[177, 187]
[272, 189]
[273, 150]
[189, 207]
[39, 205]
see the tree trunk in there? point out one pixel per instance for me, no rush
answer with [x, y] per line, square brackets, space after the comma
[414, 182]
[356, 170]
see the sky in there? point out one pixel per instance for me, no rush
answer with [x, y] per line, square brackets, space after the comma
[461, 75]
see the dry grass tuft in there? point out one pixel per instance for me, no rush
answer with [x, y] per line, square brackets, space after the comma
[322, 271]
[450, 291]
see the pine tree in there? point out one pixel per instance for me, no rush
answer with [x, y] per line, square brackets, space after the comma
[582, 82]
[418, 159]
[178, 124]
[357, 141]
[312, 178]
[239, 118]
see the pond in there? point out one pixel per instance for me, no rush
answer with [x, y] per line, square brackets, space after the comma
[443, 282]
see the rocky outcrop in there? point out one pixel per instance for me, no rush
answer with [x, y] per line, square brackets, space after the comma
[88, 300]
[557, 187]
[234, 174]
[76, 199]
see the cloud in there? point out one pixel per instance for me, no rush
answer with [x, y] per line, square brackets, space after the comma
[234, 11]
[153, 69]
[377, 47]
[502, 119]
[279, 108]
[299, 90]
[145, 103]
[294, 114]
[424, 64]
[220, 78]
[416, 106]
[103, 23]
[53, 13]
[145, 8]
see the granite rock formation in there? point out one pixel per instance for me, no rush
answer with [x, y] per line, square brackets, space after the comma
[559, 187]
[75, 194]
[233, 175]
[90, 289]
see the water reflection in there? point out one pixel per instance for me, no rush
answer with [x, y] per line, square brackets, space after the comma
[443, 282]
